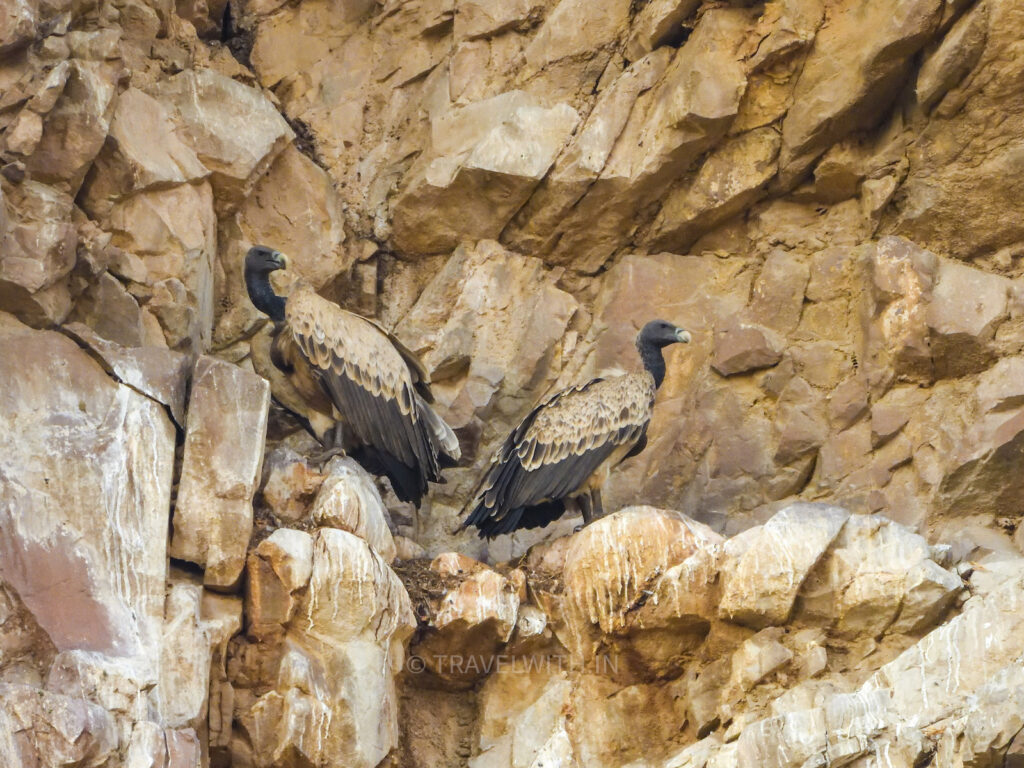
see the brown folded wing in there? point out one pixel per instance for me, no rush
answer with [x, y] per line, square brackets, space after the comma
[368, 380]
[561, 443]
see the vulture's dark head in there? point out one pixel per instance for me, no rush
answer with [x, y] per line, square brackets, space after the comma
[659, 333]
[261, 259]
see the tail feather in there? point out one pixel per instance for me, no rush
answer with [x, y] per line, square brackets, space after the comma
[441, 435]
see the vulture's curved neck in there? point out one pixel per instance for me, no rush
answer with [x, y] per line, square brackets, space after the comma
[653, 360]
[262, 294]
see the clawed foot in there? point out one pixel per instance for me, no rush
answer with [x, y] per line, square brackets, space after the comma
[324, 456]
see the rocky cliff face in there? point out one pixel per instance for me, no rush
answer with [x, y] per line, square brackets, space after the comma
[816, 561]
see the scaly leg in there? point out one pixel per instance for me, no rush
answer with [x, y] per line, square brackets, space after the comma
[596, 503]
[584, 504]
[333, 442]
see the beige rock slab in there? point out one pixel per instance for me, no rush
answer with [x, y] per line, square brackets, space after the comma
[234, 129]
[227, 422]
[86, 492]
[765, 566]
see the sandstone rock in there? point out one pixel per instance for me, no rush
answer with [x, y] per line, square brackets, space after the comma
[142, 151]
[966, 307]
[111, 312]
[88, 471]
[485, 160]
[213, 513]
[741, 347]
[75, 129]
[174, 230]
[561, 36]
[482, 19]
[671, 126]
[407, 549]
[980, 477]
[877, 578]
[611, 563]
[848, 402]
[849, 76]
[291, 485]
[337, 678]
[17, 26]
[269, 602]
[188, 641]
[951, 201]
[42, 728]
[730, 180]
[902, 281]
[38, 239]
[660, 22]
[233, 129]
[800, 420]
[348, 499]
[524, 721]
[473, 621]
[778, 293]
[765, 566]
[159, 374]
[535, 227]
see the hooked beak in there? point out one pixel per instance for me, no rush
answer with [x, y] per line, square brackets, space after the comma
[280, 259]
[682, 336]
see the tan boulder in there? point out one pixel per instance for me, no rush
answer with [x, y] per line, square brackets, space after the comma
[142, 151]
[291, 484]
[741, 347]
[335, 674]
[671, 126]
[615, 564]
[764, 567]
[348, 499]
[194, 626]
[902, 279]
[17, 25]
[966, 309]
[730, 180]
[280, 565]
[535, 226]
[473, 622]
[156, 372]
[232, 128]
[227, 422]
[877, 577]
[75, 129]
[851, 72]
[174, 231]
[39, 728]
[659, 23]
[959, 183]
[485, 160]
[478, 18]
[39, 244]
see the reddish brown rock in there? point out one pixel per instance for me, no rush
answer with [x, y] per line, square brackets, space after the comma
[741, 347]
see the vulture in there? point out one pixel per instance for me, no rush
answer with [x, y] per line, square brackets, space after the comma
[358, 387]
[567, 445]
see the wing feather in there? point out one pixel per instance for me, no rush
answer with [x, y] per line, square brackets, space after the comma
[372, 383]
[559, 445]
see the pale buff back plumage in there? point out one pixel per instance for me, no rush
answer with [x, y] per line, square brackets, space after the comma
[356, 385]
[565, 447]
[333, 339]
[585, 418]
